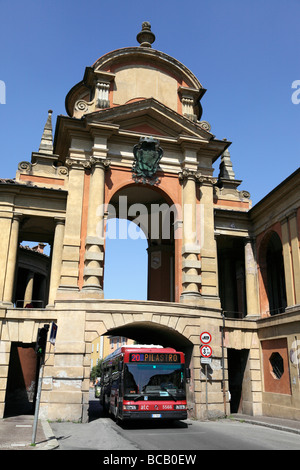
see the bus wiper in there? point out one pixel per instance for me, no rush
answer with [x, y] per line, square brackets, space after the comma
[166, 390]
[138, 397]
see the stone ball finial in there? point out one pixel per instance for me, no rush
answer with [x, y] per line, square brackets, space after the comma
[145, 37]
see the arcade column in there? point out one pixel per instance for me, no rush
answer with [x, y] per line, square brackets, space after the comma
[11, 260]
[56, 259]
[28, 289]
[251, 280]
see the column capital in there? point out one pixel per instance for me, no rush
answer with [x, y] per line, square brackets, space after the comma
[17, 216]
[76, 163]
[59, 220]
[196, 176]
[103, 163]
[187, 174]
[249, 239]
[292, 213]
[205, 179]
[87, 164]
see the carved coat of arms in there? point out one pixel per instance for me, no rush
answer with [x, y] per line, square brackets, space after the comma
[147, 154]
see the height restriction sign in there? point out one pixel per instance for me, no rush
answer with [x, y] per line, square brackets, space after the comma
[205, 337]
[205, 351]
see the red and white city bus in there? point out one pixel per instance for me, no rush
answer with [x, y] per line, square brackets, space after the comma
[144, 382]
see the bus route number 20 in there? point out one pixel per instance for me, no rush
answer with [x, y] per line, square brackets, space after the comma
[137, 357]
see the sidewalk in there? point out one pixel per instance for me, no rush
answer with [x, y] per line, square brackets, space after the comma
[16, 434]
[281, 424]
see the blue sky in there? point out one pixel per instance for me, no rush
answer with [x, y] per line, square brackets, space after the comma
[246, 54]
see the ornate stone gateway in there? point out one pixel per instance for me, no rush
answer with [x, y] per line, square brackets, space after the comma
[133, 131]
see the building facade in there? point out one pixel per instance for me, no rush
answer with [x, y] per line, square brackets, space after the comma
[133, 145]
[105, 345]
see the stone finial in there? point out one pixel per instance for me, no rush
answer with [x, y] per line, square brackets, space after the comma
[226, 170]
[226, 178]
[46, 145]
[145, 37]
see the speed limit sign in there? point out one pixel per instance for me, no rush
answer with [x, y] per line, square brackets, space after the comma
[206, 351]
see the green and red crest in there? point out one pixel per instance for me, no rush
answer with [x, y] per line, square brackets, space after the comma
[147, 155]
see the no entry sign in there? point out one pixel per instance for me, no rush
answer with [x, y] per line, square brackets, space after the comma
[205, 351]
[205, 337]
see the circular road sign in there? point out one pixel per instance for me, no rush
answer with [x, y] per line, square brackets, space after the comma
[205, 351]
[205, 337]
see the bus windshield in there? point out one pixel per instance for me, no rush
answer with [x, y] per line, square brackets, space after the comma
[149, 382]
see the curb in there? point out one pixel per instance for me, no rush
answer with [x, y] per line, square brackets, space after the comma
[279, 427]
[51, 439]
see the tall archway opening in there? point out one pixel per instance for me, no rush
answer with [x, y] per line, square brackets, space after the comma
[149, 332]
[152, 217]
[272, 272]
[125, 258]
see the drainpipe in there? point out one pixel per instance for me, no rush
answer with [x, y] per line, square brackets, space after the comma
[223, 365]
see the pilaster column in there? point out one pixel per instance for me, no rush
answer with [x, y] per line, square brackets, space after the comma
[287, 261]
[160, 272]
[11, 259]
[251, 280]
[56, 259]
[77, 164]
[295, 253]
[191, 279]
[94, 243]
[209, 265]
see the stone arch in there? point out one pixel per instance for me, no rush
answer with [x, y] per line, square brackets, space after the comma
[151, 332]
[146, 328]
[123, 185]
[172, 330]
[272, 280]
[154, 210]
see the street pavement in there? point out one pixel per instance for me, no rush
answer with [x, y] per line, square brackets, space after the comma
[16, 432]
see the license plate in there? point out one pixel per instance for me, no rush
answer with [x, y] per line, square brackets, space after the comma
[156, 416]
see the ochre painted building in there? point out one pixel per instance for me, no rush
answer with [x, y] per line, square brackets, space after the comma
[105, 345]
[133, 145]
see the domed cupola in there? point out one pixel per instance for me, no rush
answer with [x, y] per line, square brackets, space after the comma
[133, 74]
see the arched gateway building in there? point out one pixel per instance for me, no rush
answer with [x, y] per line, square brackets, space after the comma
[133, 145]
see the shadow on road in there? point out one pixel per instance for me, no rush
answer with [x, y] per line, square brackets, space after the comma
[96, 412]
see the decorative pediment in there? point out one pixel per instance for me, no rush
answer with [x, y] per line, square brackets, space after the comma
[150, 113]
[144, 117]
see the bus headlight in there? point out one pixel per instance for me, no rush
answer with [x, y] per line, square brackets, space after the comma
[130, 407]
[180, 407]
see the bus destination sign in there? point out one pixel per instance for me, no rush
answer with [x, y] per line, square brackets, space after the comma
[155, 357]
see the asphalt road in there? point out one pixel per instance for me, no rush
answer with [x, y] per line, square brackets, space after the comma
[210, 435]
[102, 433]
